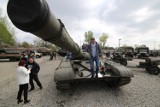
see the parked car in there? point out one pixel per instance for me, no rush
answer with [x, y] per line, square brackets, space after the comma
[37, 54]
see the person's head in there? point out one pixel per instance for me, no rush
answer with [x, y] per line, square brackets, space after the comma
[92, 40]
[31, 60]
[22, 63]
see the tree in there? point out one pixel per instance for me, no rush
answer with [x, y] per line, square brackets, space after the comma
[25, 44]
[38, 42]
[6, 36]
[88, 36]
[142, 45]
[125, 45]
[52, 47]
[103, 39]
[6, 32]
[136, 45]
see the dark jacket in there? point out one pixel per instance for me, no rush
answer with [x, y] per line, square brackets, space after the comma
[34, 67]
[98, 50]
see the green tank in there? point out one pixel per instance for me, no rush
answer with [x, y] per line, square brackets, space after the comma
[34, 16]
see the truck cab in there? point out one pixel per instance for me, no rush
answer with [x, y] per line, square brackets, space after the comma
[142, 52]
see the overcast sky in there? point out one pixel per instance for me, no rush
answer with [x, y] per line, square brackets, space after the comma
[132, 21]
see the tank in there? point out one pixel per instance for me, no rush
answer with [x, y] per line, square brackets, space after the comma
[34, 16]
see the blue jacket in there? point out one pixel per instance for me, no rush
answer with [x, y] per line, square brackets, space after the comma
[98, 50]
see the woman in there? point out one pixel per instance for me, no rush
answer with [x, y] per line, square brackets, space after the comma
[23, 80]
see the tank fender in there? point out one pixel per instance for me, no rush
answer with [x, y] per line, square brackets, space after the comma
[120, 70]
[63, 74]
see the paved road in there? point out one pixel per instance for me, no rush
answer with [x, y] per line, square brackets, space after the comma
[143, 91]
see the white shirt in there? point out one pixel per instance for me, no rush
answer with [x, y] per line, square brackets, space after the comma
[22, 75]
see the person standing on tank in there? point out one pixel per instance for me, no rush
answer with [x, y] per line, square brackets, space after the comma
[95, 51]
[35, 68]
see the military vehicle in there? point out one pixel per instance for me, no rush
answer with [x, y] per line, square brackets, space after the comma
[12, 54]
[108, 51]
[44, 51]
[118, 58]
[62, 52]
[142, 52]
[151, 65]
[128, 52]
[34, 16]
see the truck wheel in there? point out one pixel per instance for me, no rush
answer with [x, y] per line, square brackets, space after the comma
[149, 70]
[155, 70]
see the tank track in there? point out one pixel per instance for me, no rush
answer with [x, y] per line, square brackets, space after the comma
[113, 83]
[124, 81]
[119, 82]
[63, 85]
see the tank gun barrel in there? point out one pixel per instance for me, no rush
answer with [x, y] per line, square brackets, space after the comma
[34, 16]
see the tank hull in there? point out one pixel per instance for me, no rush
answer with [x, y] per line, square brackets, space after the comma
[115, 75]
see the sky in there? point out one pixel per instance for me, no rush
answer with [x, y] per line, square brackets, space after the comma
[129, 22]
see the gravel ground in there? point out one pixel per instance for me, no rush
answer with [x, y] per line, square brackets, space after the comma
[143, 91]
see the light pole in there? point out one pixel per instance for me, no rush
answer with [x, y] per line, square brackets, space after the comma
[119, 42]
[154, 45]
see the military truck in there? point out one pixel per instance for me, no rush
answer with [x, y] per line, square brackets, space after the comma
[34, 16]
[142, 52]
[12, 54]
[108, 51]
[44, 51]
[127, 51]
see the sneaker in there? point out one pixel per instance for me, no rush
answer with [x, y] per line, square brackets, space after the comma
[27, 101]
[96, 76]
[19, 101]
[41, 87]
[31, 89]
[92, 76]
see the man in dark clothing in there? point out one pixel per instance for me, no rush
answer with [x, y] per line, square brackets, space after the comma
[54, 54]
[34, 73]
[51, 56]
[94, 51]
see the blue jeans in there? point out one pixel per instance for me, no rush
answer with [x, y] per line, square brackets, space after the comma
[92, 59]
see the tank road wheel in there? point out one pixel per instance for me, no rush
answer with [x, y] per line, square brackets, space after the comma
[124, 63]
[63, 85]
[155, 70]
